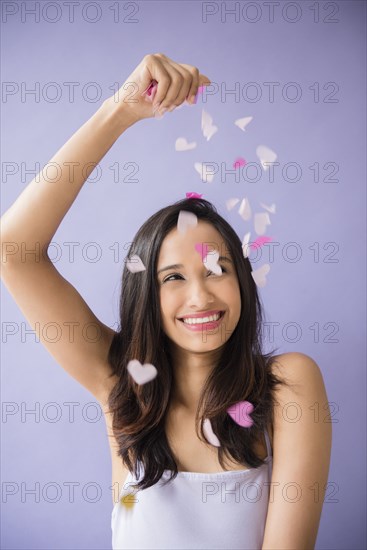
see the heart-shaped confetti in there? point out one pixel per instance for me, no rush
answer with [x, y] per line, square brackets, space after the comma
[185, 221]
[259, 275]
[203, 171]
[242, 122]
[141, 374]
[270, 209]
[261, 220]
[230, 203]
[240, 412]
[207, 126]
[265, 155]
[183, 145]
[203, 250]
[240, 161]
[150, 92]
[209, 434]
[193, 195]
[245, 209]
[246, 245]
[134, 264]
[211, 263]
[260, 241]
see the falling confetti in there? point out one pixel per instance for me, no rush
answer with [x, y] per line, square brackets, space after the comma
[261, 220]
[245, 245]
[141, 374]
[134, 264]
[207, 126]
[209, 434]
[259, 275]
[240, 413]
[203, 171]
[185, 221]
[210, 260]
[260, 241]
[240, 161]
[242, 122]
[230, 203]
[245, 209]
[270, 209]
[193, 195]
[182, 144]
[265, 155]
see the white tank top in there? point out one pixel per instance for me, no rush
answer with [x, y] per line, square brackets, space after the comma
[195, 511]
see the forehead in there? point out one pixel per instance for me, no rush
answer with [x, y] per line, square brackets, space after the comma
[176, 246]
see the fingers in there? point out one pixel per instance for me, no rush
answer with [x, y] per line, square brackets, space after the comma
[176, 82]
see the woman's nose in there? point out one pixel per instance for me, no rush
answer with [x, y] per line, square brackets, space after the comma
[199, 295]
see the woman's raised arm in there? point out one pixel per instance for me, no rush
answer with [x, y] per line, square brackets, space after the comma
[42, 294]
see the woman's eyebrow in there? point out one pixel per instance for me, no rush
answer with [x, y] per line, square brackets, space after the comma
[178, 266]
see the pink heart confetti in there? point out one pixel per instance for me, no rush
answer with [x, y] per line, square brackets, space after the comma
[260, 241]
[141, 374]
[150, 92]
[185, 221]
[134, 264]
[240, 412]
[240, 161]
[202, 248]
[193, 195]
[209, 434]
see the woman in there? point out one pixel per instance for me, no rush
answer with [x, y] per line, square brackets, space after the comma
[177, 434]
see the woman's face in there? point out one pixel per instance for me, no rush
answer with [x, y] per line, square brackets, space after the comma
[193, 289]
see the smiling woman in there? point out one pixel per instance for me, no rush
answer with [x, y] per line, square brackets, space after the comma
[210, 406]
[203, 369]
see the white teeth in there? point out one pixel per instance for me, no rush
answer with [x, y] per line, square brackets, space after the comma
[192, 321]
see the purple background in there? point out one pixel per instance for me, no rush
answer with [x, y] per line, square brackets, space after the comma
[106, 212]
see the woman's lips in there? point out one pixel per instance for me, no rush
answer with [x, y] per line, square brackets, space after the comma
[204, 326]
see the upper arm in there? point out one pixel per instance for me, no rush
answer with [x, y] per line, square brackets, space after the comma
[301, 455]
[64, 323]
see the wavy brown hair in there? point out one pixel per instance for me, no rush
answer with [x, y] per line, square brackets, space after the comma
[243, 372]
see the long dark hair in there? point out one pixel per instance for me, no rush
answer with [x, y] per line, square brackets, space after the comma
[243, 372]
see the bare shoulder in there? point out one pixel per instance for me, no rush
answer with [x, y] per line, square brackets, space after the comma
[301, 452]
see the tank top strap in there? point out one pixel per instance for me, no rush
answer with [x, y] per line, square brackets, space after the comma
[267, 441]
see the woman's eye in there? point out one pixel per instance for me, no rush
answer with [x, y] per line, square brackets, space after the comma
[177, 275]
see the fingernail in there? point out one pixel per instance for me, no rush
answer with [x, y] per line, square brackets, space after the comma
[156, 106]
[193, 99]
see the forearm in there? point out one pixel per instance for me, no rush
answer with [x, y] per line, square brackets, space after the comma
[34, 217]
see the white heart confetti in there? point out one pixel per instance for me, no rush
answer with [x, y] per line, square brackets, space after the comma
[230, 203]
[141, 374]
[261, 220]
[211, 263]
[134, 264]
[265, 155]
[259, 275]
[209, 434]
[207, 126]
[203, 171]
[245, 209]
[182, 144]
[242, 122]
[245, 245]
[185, 221]
[270, 209]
